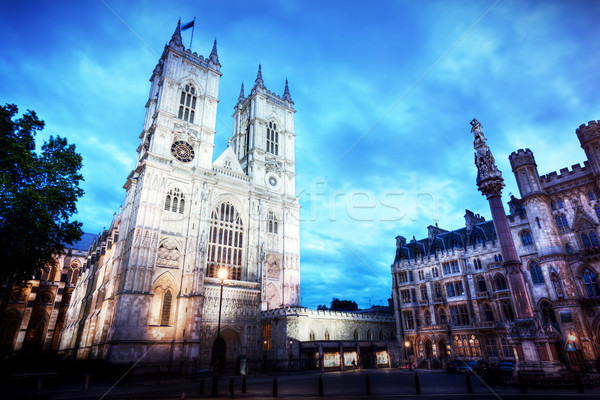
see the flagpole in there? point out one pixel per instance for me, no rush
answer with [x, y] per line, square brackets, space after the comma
[192, 38]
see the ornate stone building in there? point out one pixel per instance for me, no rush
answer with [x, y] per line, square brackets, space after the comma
[467, 294]
[32, 315]
[150, 291]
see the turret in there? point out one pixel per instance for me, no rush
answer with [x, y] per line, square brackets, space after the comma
[589, 138]
[526, 173]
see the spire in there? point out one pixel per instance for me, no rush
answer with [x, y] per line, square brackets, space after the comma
[176, 38]
[241, 93]
[259, 80]
[213, 54]
[286, 93]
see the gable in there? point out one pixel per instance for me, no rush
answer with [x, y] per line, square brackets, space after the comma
[228, 160]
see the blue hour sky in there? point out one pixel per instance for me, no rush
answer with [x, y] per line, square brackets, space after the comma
[384, 93]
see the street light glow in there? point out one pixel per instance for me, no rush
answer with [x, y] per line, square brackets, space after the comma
[222, 273]
[407, 344]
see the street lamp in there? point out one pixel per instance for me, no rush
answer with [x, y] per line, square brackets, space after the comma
[407, 346]
[218, 356]
[222, 275]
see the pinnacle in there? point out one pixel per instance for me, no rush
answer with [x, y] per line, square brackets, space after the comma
[286, 93]
[213, 54]
[241, 92]
[259, 80]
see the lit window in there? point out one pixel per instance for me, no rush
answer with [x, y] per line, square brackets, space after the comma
[272, 139]
[225, 241]
[187, 104]
[536, 272]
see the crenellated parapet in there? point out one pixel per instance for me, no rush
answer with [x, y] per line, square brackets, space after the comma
[586, 133]
[521, 157]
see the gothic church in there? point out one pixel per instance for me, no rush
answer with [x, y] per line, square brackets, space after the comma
[151, 291]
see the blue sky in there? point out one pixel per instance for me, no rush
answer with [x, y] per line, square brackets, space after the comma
[384, 93]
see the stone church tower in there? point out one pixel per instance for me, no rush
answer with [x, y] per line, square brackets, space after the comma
[154, 295]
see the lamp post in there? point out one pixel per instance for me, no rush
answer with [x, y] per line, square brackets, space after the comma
[407, 347]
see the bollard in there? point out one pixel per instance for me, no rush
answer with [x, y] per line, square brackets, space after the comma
[578, 383]
[214, 390]
[244, 384]
[320, 386]
[522, 383]
[468, 380]
[368, 384]
[417, 384]
[275, 386]
[202, 385]
[86, 381]
[231, 388]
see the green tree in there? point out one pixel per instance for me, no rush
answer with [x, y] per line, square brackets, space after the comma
[343, 305]
[38, 192]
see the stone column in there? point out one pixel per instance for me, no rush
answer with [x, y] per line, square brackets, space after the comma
[342, 366]
[321, 358]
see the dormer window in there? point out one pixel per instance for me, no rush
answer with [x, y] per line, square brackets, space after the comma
[272, 139]
[187, 104]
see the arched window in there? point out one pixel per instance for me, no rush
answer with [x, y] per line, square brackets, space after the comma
[423, 292]
[187, 104]
[526, 238]
[311, 336]
[536, 272]
[174, 201]
[443, 319]
[489, 314]
[558, 221]
[560, 204]
[427, 318]
[225, 241]
[594, 239]
[548, 314]
[369, 335]
[507, 349]
[272, 223]
[590, 283]
[586, 240]
[507, 310]
[564, 220]
[327, 335]
[165, 313]
[438, 290]
[597, 211]
[500, 282]
[591, 196]
[553, 205]
[355, 334]
[491, 347]
[557, 286]
[272, 139]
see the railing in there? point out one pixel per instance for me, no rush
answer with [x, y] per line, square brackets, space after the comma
[502, 294]
[439, 300]
[482, 295]
[484, 324]
[424, 302]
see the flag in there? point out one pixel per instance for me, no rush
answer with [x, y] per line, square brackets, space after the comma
[187, 26]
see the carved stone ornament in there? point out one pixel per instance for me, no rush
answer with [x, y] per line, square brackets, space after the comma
[489, 178]
[168, 254]
[272, 165]
[272, 267]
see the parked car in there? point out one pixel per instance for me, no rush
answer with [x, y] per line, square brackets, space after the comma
[506, 367]
[472, 367]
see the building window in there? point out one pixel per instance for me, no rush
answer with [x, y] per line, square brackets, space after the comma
[413, 293]
[477, 263]
[272, 223]
[553, 205]
[272, 139]
[460, 316]
[594, 239]
[591, 196]
[187, 104]
[409, 320]
[427, 318]
[537, 220]
[557, 286]
[590, 283]
[327, 335]
[507, 349]
[481, 286]
[455, 289]
[560, 204]
[355, 334]
[225, 241]
[507, 311]
[500, 282]
[423, 292]
[597, 211]
[548, 314]
[369, 335]
[165, 314]
[311, 336]
[526, 238]
[564, 220]
[381, 336]
[174, 201]
[489, 314]
[267, 336]
[443, 319]
[438, 291]
[536, 272]
[586, 240]
[436, 273]
[491, 347]
[421, 275]
[405, 296]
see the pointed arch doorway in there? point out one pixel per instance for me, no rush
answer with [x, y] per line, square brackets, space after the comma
[226, 351]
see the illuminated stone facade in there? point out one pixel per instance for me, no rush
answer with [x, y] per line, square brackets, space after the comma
[149, 290]
[452, 294]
